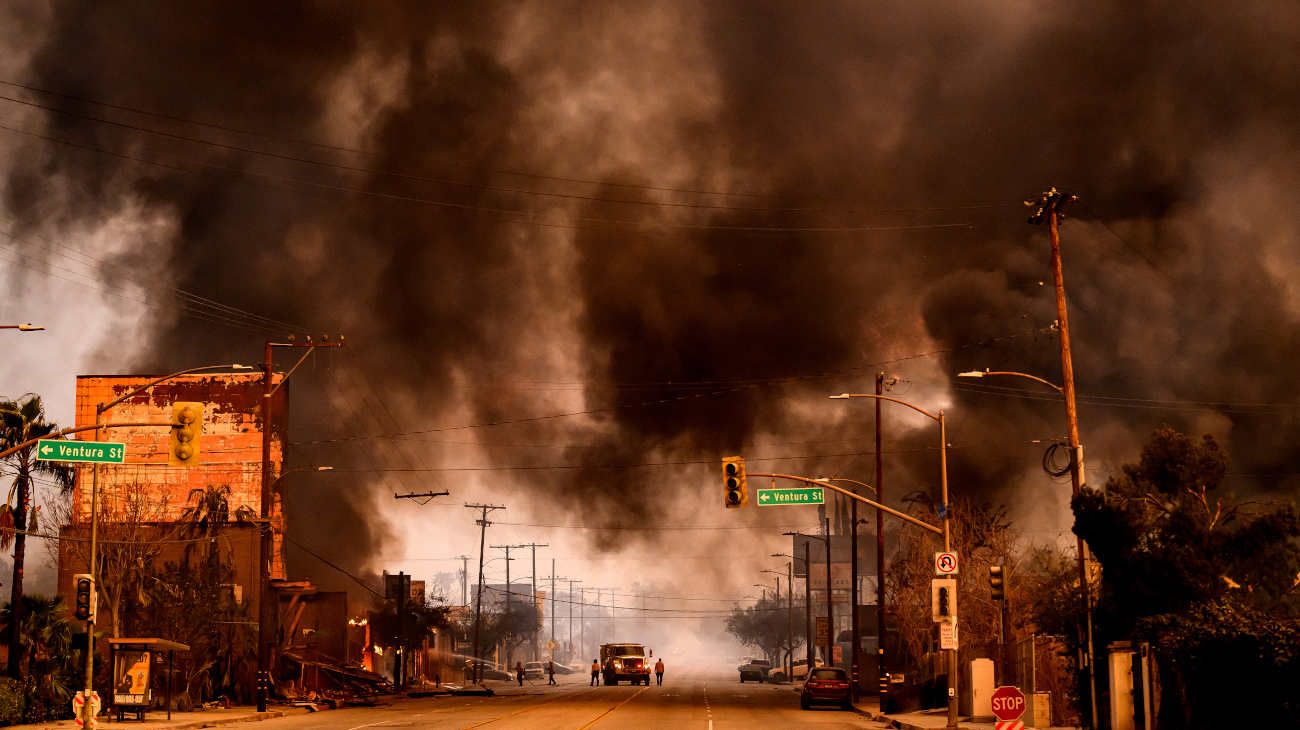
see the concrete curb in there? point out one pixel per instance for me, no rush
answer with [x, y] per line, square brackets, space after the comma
[160, 723]
[218, 721]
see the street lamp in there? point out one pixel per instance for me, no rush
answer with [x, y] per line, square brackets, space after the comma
[1077, 480]
[944, 514]
[1009, 373]
[26, 327]
[100, 410]
[298, 470]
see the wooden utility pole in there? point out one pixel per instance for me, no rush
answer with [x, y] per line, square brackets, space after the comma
[483, 523]
[267, 613]
[509, 593]
[533, 546]
[464, 579]
[1050, 210]
[807, 604]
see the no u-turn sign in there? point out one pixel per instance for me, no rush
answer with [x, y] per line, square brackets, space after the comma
[945, 564]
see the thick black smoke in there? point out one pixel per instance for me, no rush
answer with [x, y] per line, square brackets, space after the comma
[472, 293]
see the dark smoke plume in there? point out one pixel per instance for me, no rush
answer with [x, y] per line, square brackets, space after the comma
[687, 325]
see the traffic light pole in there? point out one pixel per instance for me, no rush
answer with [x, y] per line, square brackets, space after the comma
[855, 635]
[880, 551]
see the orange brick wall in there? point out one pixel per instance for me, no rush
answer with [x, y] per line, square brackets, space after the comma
[230, 448]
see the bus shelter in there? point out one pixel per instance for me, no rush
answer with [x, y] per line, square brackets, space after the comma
[132, 661]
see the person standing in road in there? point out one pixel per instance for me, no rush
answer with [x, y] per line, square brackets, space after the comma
[550, 672]
[659, 671]
[595, 673]
[519, 673]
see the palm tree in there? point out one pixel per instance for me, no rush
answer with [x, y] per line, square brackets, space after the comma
[46, 635]
[207, 513]
[21, 421]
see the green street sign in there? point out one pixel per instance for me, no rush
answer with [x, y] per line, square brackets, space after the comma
[91, 452]
[791, 497]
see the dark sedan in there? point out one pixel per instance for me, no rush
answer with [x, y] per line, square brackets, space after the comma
[826, 686]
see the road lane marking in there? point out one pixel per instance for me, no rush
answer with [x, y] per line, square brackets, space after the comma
[385, 722]
[531, 707]
[602, 715]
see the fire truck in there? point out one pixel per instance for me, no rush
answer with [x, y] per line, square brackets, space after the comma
[624, 662]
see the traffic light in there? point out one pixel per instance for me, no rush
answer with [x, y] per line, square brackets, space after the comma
[84, 601]
[187, 427]
[997, 584]
[943, 599]
[735, 493]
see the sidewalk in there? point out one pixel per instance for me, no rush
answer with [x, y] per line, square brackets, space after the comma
[179, 721]
[926, 720]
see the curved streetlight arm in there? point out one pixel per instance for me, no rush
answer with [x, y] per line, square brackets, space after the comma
[298, 470]
[77, 429]
[105, 406]
[1013, 374]
[850, 481]
[853, 495]
[891, 399]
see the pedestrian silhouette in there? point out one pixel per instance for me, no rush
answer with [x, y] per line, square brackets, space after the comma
[595, 674]
[519, 673]
[550, 671]
[659, 672]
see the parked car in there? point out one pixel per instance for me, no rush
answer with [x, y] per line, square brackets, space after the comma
[799, 672]
[534, 670]
[756, 669]
[826, 686]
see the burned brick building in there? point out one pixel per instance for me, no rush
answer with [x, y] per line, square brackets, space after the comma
[153, 513]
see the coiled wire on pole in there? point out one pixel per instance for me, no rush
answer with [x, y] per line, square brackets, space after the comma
[1052, 459]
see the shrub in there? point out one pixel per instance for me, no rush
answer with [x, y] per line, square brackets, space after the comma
[11, 702]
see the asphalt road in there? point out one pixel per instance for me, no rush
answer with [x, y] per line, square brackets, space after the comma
[688, 700]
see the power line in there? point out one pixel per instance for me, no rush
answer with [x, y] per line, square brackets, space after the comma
[189, 300]
[661, 401]
[330, 563]
[509, 215]
[631, 465]
[1241, 407]
[354, 151]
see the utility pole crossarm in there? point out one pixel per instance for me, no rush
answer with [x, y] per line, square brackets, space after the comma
[420, 495]
[853, 495]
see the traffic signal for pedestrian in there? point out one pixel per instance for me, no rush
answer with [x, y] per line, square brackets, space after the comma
[84, 600]
[997, 585]
[735, 492]
[187, 427]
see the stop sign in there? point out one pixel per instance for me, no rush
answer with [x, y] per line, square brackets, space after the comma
[1008, 703]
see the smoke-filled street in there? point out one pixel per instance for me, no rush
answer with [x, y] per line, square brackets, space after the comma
[693, 699]
[937, 359]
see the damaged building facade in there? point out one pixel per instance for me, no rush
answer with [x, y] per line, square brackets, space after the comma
[157, 519]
